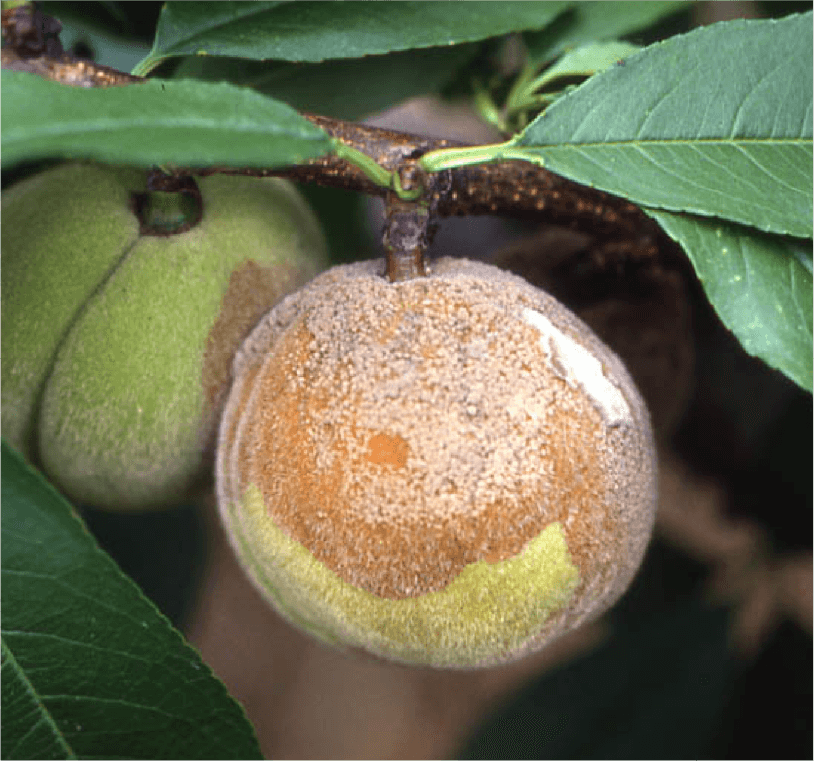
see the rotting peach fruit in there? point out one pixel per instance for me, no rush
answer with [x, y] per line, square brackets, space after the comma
[446, 471]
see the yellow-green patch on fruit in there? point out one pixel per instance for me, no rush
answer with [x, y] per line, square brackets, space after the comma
[127, 409]
[448, 471]
[488, 608]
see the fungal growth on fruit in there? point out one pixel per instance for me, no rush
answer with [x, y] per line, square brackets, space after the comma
[117, 344]
[449, 471]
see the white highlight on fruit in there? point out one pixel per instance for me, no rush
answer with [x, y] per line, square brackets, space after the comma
[577, 366]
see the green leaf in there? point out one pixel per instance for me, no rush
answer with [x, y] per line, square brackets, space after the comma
[182, 123]
[590, 21]
[90, 667]
[344, 89]
[716, 122]
[586, 60]
[760, 285]
[112, 50]
[316, 31]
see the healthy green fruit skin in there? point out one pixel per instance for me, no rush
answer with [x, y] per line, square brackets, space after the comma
[449, 471]
[117, 345]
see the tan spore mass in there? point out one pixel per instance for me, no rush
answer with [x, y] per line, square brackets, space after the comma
[403, 431]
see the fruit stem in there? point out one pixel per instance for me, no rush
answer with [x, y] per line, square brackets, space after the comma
[407, 234]
[171, 205]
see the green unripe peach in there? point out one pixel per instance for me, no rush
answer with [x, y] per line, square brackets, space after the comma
[447, 471]
[117, 344]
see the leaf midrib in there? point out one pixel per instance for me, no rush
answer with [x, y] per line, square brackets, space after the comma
[46, 714]
[691, 142]
[115, 124]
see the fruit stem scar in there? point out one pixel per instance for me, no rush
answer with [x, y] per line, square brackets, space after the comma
[577, 366]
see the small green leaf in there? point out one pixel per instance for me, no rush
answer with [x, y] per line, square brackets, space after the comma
[591, 21]
[90, 667]
[716, 122]
[586, 60]
[117, 51]
[156, 122]
[316, 31]
[760, 285]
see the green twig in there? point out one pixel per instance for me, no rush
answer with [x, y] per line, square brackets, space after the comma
[373, 171]
[455, 158]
